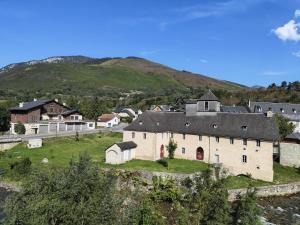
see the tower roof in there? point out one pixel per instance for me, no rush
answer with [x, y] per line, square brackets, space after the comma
[209, 96]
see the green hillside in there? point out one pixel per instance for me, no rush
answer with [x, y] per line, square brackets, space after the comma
[83, 75]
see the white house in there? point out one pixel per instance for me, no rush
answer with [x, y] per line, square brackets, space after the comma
[120, 152]
[108, 120]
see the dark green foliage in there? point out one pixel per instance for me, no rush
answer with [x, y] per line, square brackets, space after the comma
[21, 167]
[163, 162]
[77, 136]
[127, 120]
[76, 195]
[285, 126]
[245, 210]
[171, 149]
[20, 128]
[4, 119]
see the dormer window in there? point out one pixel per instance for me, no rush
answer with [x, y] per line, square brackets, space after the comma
[281, 110]
[187, 124]
[206, 106]
[258, 108]
[157, 123]
[141, 123]
[215, 126]
[270, 109]
[294, 110]
[244, 128]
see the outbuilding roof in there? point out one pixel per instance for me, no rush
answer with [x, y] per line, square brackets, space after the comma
[235, 125]
[126, 145]
[106, 117]
[280, 108]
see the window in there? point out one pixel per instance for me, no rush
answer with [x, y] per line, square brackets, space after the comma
[244, 128]
[282, 110]
[215, 126]
[145, 135]
[244, 141]
[217, 139]
[187, 124]
[141, 123]
[270, 109]
[183, 136]
[172, 135]
[258, 143]
[72, 117]
[76, 117]
[258, 108]
[183, 150]
[133, 135]
[90, 125]
[244, 159]
[294, 110]
[200, 138]
[231, 141]
[206, 106]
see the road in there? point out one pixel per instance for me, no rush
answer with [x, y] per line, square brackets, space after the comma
[117, 129]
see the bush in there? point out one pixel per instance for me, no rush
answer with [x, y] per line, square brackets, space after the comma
[20, 128]
[164, 162]
[171, 149]
[127, 120]
[21, 167]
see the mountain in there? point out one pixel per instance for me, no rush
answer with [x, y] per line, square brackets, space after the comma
[85, 75]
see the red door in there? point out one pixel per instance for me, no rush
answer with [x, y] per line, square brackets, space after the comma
[200, 154]
[162, 152]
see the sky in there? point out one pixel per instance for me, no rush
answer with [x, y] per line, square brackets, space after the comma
[252, 42]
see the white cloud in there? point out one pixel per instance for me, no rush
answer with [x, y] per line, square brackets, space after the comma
[297, 13]
[297, 54]
[274, 73]
[288, 32]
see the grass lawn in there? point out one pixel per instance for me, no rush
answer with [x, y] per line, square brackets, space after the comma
[60, 151]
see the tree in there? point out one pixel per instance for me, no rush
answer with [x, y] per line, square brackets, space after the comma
[75, 195]
[4, 120]
[245, 209]
[20, 128]
[171, 148]
[285, 126]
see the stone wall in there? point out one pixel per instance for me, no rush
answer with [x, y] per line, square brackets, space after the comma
[266, 191]
[290, 154]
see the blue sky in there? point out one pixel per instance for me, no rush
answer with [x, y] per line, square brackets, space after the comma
[253, 42]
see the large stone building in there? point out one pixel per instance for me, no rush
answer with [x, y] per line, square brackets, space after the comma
[47, 116]
[240, 142]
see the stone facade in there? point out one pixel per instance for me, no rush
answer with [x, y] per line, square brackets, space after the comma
[290, 154]
[238, 158]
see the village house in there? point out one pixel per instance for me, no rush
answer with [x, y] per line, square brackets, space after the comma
[162, 108]
[242, 143]
[47, 116]
[108, 120]
[127, 112]
[287, 110]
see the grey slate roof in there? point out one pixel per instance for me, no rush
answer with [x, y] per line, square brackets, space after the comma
[126, 145]
[30, 105]
[294, 136]
[209, 96]
[227, 124]
[291, 111]
[69, 112]
[235, 109]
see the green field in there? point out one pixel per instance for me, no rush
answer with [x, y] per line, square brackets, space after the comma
[60, 151]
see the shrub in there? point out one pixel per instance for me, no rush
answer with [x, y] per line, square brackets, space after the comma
[171, 149]
[164, 162]
[20, 128]
[21, 167]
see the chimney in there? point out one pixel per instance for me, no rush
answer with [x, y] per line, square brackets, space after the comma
[21, 104]
[34, 99]
[269, 114]
[56, 99]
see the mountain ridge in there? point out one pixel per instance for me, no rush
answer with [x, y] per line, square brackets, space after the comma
[87, 74]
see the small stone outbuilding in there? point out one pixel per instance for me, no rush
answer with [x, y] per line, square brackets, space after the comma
[290, 150]
[120, 152]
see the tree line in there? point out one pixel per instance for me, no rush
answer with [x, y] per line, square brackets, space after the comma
[82, 194]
